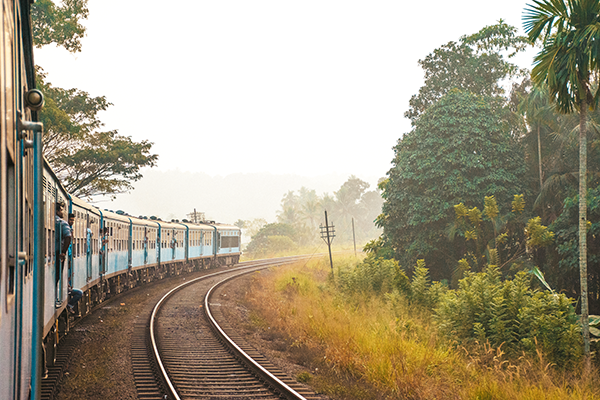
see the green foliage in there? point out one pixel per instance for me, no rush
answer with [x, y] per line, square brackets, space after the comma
[490, 209]
[377, 276]
[272, 238]
[60, 25]
[566, 64]
[518, 204]
[372, 276]
[568, 34]
[564, 274]
[474, 64]
[420, 284]
[379, 248]
[88, 162]
[304, 377]
[504, 239]
[510, 314]
[537, 234]
[460, 150]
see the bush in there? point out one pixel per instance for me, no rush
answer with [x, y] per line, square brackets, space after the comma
[373, 275]
[272, 238]
[378, 276]
[510, 314]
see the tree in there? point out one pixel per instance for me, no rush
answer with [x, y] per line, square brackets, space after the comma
[535, 107]
[60, 25]
[105, 164]
[250, 227]
[87, 161]
[272, 238]
[459, 150]
[474, 64]
[570, 38]
[348, 206]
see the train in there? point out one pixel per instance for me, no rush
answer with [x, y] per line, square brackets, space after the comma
[109, 252]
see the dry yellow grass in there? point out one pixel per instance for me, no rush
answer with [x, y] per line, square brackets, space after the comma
[393, 347]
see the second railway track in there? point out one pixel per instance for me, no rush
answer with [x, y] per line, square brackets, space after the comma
[187, 357]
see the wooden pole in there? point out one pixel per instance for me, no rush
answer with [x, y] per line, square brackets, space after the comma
[329, 243]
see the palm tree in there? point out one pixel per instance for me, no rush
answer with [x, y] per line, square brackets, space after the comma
[570, 54]
[540, 117]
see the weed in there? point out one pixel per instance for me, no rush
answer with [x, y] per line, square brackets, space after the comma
[304, 377]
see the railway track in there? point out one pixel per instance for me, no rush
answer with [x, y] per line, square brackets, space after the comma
[186, 351]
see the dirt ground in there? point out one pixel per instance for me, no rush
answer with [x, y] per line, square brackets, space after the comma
[100, 366]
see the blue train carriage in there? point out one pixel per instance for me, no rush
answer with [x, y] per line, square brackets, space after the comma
[144, 249]
[200, 245]
[85, 268]
[227, 244]
[116, 257]
[55, 206]
[170, 248]
[21, 259]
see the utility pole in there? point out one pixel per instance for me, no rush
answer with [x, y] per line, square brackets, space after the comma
[196, 217]
[327, 234]
[353, 237]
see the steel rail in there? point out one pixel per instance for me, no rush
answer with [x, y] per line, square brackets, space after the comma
[248, 267]
[272, 379]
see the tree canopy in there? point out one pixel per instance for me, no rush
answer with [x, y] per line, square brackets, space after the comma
[460, 150]
[88, 161]
[60, 25]
[475, 64]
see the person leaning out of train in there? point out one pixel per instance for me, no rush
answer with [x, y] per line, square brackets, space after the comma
[103, 239]
[74, 294]
[71, 221]
[63, 239]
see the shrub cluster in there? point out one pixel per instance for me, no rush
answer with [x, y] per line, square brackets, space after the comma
[485, 309]
[510, 314]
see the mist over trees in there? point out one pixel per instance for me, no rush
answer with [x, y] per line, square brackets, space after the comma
[302, 213]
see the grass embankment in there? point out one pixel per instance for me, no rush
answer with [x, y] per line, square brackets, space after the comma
[376, 347]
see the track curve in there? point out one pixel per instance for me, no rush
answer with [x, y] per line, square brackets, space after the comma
[197, 357]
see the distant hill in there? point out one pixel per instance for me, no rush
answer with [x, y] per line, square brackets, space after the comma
[173, 194]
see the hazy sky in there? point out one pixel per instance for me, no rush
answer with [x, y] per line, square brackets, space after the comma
[303, 87]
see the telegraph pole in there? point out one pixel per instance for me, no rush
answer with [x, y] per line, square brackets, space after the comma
[196, 217]
[354, 236]
[327, 234]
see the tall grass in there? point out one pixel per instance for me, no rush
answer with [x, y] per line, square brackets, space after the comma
[391, 345]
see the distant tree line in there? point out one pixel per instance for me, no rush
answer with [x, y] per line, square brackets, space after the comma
[302, 213]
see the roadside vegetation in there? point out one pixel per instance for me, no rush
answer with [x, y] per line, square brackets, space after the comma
[373, 332]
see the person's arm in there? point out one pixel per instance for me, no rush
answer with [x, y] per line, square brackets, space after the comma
[66, 243]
